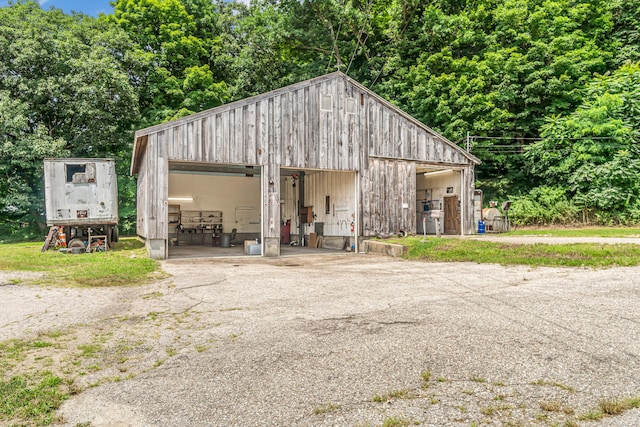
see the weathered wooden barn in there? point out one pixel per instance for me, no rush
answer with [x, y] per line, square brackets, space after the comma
[326, 156]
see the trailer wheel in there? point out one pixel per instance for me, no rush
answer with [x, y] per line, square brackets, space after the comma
[76, 244]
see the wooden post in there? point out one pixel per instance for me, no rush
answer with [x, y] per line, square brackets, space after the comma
[270, 210]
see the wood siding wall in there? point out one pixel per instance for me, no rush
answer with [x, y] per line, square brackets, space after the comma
[328, 123]
[289, 129]
[393, 136]
[153, 187]
[293, 130]
[388, 193]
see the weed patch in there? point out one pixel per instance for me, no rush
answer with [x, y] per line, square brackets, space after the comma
[325, 408]
[395, 394]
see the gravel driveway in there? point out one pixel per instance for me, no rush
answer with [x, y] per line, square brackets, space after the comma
[351, 340]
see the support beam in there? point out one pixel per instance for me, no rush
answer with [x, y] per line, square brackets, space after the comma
[270, 210]
[299, 207]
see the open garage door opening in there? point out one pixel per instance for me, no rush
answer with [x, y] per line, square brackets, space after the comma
[213, 209]
[439, 201]
[318, 209]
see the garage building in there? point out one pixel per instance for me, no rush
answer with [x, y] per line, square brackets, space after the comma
[324, 159]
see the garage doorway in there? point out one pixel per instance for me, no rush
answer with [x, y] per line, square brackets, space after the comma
[318, 209]
[213, 208]
[438, 195]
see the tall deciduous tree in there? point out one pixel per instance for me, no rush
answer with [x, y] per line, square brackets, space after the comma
[66, 70]
[184, 77]
[23, 146]
[69, 80]
[593, 153]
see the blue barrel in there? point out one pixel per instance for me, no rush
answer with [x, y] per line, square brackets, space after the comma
[480, 227]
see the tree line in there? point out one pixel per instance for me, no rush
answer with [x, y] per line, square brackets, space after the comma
[548, 90]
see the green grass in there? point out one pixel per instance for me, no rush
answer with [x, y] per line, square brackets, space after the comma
[570, 255]
[127, 264]
[325, 408]
[33, 397]
[396, 422]
[395, 394]
[578, 232]
[608, 408]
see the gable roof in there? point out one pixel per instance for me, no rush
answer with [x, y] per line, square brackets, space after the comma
[141, 135]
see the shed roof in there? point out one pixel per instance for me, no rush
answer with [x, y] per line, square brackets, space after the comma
[141, 135]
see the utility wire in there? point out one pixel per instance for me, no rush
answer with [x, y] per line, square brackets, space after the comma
[355, 48]
[515, 138]
[335, 46]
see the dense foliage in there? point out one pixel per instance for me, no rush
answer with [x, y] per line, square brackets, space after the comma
[547, 89]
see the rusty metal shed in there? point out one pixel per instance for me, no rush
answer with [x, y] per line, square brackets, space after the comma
[367, 164]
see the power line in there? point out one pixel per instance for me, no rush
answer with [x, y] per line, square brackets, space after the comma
[358, 42]
[516, 138]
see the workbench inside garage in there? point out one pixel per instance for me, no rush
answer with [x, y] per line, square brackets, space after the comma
[198, 227]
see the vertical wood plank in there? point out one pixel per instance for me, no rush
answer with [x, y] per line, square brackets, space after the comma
[231, 138]
[224, 138]
[286, 129]
[313, 123]
[189, 141]
[217, 154]
[250, 134]
[211, 139]
[277, 129]
[263, 139]
[239, 127]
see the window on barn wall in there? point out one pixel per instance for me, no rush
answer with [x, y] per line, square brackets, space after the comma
[326, 103]
[351, 106]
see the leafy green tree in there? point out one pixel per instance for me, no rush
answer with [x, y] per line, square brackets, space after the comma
[65, 69]
[71, 81]
[593, 152]
[626, 30]
[23, 146]
[180, 49]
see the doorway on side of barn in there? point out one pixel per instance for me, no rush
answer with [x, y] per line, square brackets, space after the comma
[213, 208]
[318, 208]
[438, 196]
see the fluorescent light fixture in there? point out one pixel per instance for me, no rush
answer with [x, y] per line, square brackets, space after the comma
[438, 172]
[181, 199]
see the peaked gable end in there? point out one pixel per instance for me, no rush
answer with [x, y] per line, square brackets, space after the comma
[329, 122]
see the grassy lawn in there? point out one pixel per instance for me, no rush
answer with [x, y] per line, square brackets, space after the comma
[570, 255]
[127, 264]
[578, 232]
